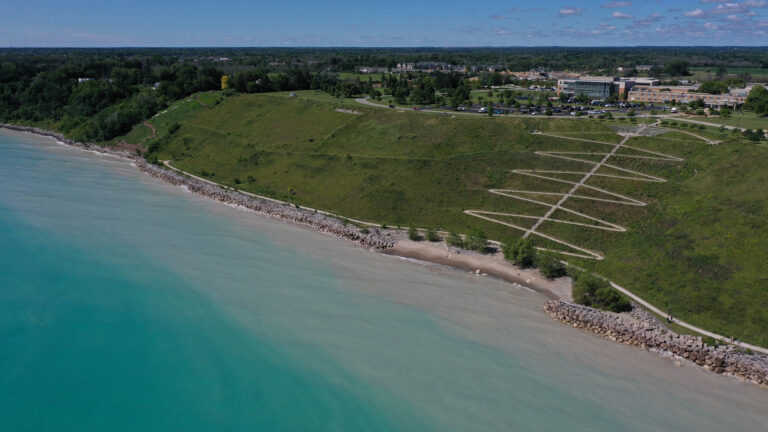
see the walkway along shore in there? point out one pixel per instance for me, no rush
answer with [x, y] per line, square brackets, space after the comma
[636, 328]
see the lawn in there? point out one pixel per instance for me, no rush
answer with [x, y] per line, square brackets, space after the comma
[697, 247]
[748, 120]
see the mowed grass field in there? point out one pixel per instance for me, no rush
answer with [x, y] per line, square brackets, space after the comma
[748, 120]
[697, 248]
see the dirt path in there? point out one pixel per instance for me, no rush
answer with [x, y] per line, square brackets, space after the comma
[151, 128]
[197, 98]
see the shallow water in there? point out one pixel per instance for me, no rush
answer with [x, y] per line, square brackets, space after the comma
[129, 304]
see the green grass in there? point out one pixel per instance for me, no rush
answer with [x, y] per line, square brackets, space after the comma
[698, 246]
[748, 120]
[361, 76]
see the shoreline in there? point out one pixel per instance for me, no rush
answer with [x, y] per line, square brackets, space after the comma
[481, 265]
[395, 243]
[375, 239]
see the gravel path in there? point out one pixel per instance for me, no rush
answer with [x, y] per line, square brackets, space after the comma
[589, 221]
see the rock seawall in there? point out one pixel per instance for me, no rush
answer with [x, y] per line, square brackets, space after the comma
[376, 238]
[642, 329]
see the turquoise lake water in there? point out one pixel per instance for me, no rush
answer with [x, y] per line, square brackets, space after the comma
[127, 304]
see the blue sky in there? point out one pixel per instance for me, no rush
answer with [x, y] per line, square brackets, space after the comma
[383, 23]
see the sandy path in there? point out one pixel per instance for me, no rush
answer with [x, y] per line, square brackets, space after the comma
[151, 128]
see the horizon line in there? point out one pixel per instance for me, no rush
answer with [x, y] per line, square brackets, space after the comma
[375, 47]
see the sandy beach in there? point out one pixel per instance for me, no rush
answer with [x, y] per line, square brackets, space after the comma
[489, 264]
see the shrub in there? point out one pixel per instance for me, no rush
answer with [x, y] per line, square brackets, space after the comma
[413, 233]
[455, 240]
[236, 181]
[592, 291]
[520, 252]
[477, 240]
[549, 265]
[432, 235]
[365, 231]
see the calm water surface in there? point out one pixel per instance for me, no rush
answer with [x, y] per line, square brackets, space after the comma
[127, 304]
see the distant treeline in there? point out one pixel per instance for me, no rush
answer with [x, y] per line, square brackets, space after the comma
[99, 94]
[347, 59]
[95, 96]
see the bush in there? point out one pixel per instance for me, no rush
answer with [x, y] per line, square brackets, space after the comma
[477, 240]
[432, 235]
[365, 231]
[520, 252]
[549, 265]
[592, 291]
[455, 240]
[413, 234]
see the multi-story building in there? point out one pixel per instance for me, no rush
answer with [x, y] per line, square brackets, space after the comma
[684, 95]
[594, 87]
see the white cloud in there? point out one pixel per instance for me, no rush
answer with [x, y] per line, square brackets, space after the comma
[621, 15]
[710, 26]
[756, 3]
[647, 22]
[728, 8]
[570, 11]
[696, 13]
[616, 4]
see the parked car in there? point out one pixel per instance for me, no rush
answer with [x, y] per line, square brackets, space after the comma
[483, 110]
[391, 106]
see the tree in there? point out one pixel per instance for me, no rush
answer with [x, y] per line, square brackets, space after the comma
[224, 82]
[549, 265]
[520, 252]
[713, 87]
[721, 71]
[677, 68]
[592, 291]
[757, 100]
